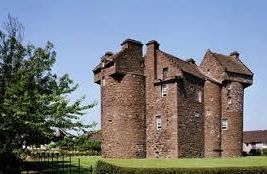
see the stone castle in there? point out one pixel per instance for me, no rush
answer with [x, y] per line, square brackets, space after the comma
[159, 106]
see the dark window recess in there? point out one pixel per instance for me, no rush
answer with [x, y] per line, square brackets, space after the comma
[165, 73]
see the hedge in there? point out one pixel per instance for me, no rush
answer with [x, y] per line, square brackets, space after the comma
[103, 167]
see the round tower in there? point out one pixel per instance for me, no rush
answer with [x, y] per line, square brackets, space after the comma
[212, 108]
[123, 104]
[232, 118]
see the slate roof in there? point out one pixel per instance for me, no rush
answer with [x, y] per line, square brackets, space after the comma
[232, 64]
[257, 136]
[185, 66]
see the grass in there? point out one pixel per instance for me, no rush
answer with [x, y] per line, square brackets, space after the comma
[191, 163]
[87, 161]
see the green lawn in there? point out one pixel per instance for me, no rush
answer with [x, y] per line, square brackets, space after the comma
[191, 163]
[87, 161]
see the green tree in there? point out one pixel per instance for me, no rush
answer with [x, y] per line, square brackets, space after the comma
[32, 98]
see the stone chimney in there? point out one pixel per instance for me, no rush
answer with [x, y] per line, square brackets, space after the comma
[108, 54]
[234, 54]
[151, 58]
[153, 44]
[131, 44]
[192, 61]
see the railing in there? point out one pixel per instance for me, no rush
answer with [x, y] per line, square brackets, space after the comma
[55, 163]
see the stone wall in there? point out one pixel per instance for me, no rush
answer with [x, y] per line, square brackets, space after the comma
[123, 108]
[160, 143]
[212, 102]
[232, 138]
[190, 117]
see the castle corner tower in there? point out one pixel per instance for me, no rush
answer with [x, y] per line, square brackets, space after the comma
[122, 83]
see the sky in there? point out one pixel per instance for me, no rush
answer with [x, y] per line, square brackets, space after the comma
[82, 31]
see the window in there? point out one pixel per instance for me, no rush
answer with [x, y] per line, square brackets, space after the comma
[208, 113]
[229, 86]
[199, 96]
[103, 81]
[192, 88]
[211, 98]
[103, 64]
[197, 114]
[229, 100]
[224, 124]
[165, 73]
[164, 89]
[158, 122]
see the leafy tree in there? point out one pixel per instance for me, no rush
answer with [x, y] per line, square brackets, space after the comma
[32, 98]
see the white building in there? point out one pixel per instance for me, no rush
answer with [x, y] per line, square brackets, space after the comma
[254, 140]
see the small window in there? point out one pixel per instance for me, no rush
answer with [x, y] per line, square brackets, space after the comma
[164, 89]
[165, 73]
[229, 100]
[197, 114]
[208, 113]
[229, 86]
[103, 64]
[158, 122]
[192, 88]
[142, 64]
[224, 124]
[211, 98]
[103, 81]
[199, 96]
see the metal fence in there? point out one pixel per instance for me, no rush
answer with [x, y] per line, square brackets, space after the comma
[55, 163]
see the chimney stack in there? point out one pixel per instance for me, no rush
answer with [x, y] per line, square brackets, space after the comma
[191, 60]
[109, 53]
[235, 54]
[131, 44]
[153, 44]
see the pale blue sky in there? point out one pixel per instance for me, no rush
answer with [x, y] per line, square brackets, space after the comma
[83, 30]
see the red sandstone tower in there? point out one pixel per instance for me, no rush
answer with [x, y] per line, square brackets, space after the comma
[160, 106]
[122, 102]
[227, 77]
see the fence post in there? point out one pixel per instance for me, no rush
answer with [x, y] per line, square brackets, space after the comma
[79, 165]
[52, 162]
[91, 169]
[57, 162]
[63, 163]
[70, 164]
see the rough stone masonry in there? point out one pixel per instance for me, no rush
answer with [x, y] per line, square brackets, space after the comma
[155, 105]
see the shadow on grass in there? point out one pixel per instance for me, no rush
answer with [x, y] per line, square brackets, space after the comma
[57, 167]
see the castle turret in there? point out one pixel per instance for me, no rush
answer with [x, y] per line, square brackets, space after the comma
[232, 118]
[122, 102]
[237, 78]
[224, 100]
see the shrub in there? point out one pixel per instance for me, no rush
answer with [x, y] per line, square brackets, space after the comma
[255, 152]
[264, 151]
[103, 167]
[245, 153]
[81, 143]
